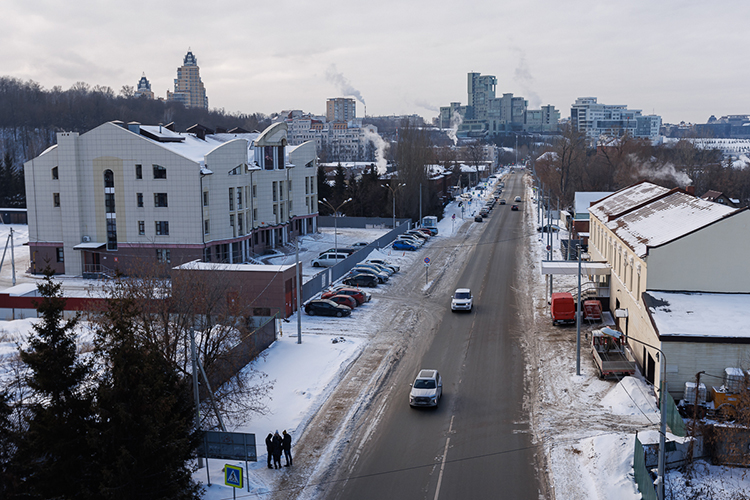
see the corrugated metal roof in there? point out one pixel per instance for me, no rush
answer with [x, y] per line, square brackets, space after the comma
[626, 199]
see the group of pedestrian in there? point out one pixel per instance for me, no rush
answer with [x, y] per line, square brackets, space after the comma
[275, 444]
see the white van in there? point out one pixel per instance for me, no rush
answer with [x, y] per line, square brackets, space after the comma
[329, 259]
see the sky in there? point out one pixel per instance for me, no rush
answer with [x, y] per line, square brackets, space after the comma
[674, 58]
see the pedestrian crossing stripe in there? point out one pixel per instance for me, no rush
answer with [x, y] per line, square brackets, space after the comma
[233, 476]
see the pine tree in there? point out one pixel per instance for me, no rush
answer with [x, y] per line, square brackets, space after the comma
[146, 435]
[53, 449]
[8, 442]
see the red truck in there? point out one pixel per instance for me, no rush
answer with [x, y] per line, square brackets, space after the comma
[562, 308]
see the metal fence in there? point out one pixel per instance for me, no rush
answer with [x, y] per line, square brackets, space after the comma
[674, 419]
[359, 222]
[328, 276]
[642, 476]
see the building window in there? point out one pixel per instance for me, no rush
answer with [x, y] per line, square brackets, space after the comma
[268, 158]
[240, 217]
[255, 191]
[205, 198]
[206, 226]
[275, 195]
[255, 214]
[207, 254]
[109, 179]
[141, 227]
[162, 228]
[231, 220]
[139, 199]
[56, 199]
[160, 172]
[280, 156]
[281, 190]
[55, 177]
[111, 234]
[239, 198]
[60, 254]
[231, 198]
[139, 171]
[163, 255]
[307, 185]
[160, 200]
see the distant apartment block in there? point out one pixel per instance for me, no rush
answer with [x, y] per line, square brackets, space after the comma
[144, 88]
[188, 86]
[120, 195]
[612, 120]
[341, 109]
[488, 115]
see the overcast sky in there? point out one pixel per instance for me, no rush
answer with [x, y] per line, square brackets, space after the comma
[683, 60]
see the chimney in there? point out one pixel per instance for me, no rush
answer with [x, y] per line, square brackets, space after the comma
[690, 190]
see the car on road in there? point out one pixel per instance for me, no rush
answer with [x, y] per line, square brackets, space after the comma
[517, 199]
[478, 218]
[325, 307]
[359, 244]
[462, 300]
[344, 300]
[403, 245]
[359, 295]
[361, 279]
[426, 389]
[502, 201]
[549, 228]
[484, 212]
[514, 208]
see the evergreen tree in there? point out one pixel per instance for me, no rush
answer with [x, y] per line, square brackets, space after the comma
[53, 450]
[145, 435]
[8, 441]
[339, 186]
[324, 191]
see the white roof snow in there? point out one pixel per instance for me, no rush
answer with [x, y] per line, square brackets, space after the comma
[720, 315]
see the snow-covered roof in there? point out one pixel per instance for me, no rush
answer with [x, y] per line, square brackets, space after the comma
[626, 199]
[714, 315]
[584, 199]
[213, 266]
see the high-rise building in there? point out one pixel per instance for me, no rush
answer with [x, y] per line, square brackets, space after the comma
[595, 119]
[188, 86]
[144, 88]
[481, 90]
[341, 109]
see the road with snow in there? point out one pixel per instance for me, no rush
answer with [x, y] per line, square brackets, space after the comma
[477, 443]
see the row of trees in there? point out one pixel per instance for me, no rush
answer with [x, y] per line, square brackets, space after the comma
[571, 165]
[114, 417]
[12, 190]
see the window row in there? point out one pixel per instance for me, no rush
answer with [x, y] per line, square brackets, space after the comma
[161, 200]
[158, 171]
[161, 228]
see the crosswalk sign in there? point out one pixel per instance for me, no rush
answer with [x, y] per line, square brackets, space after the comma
[233, 476]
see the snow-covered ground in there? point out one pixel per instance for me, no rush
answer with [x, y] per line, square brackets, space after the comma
[585, 426]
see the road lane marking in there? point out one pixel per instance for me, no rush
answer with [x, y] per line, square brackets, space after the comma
[445, 456]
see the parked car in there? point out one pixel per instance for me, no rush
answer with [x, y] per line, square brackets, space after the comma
[362, 280]
[549, 228]
[426, 231]
[502, 201]
[404, 245]
[329, 259]
[562, 308]
[344, 300]
[377, 267]
[484, 212]
[359, 295]
[517, 199]
[325, 307]
[426, 389]
[462, 300]
[478, 218]
[418, 234]
[380, 275]
[382, 262]
[411, 239]
[359, 245]
[347, 251]
[514, 208]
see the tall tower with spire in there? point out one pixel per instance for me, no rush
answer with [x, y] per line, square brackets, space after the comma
[144, 88]
[188, 86]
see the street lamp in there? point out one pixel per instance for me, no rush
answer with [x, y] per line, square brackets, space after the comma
[335, 222]
[662, 407]
[393, 197]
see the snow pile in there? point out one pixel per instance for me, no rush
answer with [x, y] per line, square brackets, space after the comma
[631, 396]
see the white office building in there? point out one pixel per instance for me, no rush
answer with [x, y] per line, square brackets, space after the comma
[612, 120]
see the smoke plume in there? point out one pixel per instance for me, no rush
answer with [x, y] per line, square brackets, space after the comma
[343, 83]
[426, 105]
[456, 121]
[524, 78]
[664, 171]
[380, 147]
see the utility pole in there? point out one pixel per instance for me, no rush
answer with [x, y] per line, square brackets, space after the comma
[299, 296]
[578, 316]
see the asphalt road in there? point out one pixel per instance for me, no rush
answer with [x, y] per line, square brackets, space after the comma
[477, 444]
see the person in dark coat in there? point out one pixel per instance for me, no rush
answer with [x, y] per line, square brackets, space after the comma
[277, 450]
[286, 445]
[269, 448]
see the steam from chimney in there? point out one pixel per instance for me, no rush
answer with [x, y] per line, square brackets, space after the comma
[342, 82]
[456, 121]
[524, 78]
[380, 147]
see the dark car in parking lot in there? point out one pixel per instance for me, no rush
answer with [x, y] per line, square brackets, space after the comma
[325, 307]
[362, 280]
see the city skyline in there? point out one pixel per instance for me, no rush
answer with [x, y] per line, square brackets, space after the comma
[675, 59]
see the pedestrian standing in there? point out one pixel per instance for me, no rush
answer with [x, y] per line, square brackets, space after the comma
[269, 448]
[277, 450]
[286, 444]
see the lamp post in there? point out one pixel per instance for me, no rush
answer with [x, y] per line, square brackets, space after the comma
[335, 222]
[393, 197]
[662, 408]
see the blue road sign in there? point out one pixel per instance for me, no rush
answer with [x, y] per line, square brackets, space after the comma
[426, 260]
[233, 476]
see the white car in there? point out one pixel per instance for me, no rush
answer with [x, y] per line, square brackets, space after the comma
[426, 389]
[517, 199]
[462, 300]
